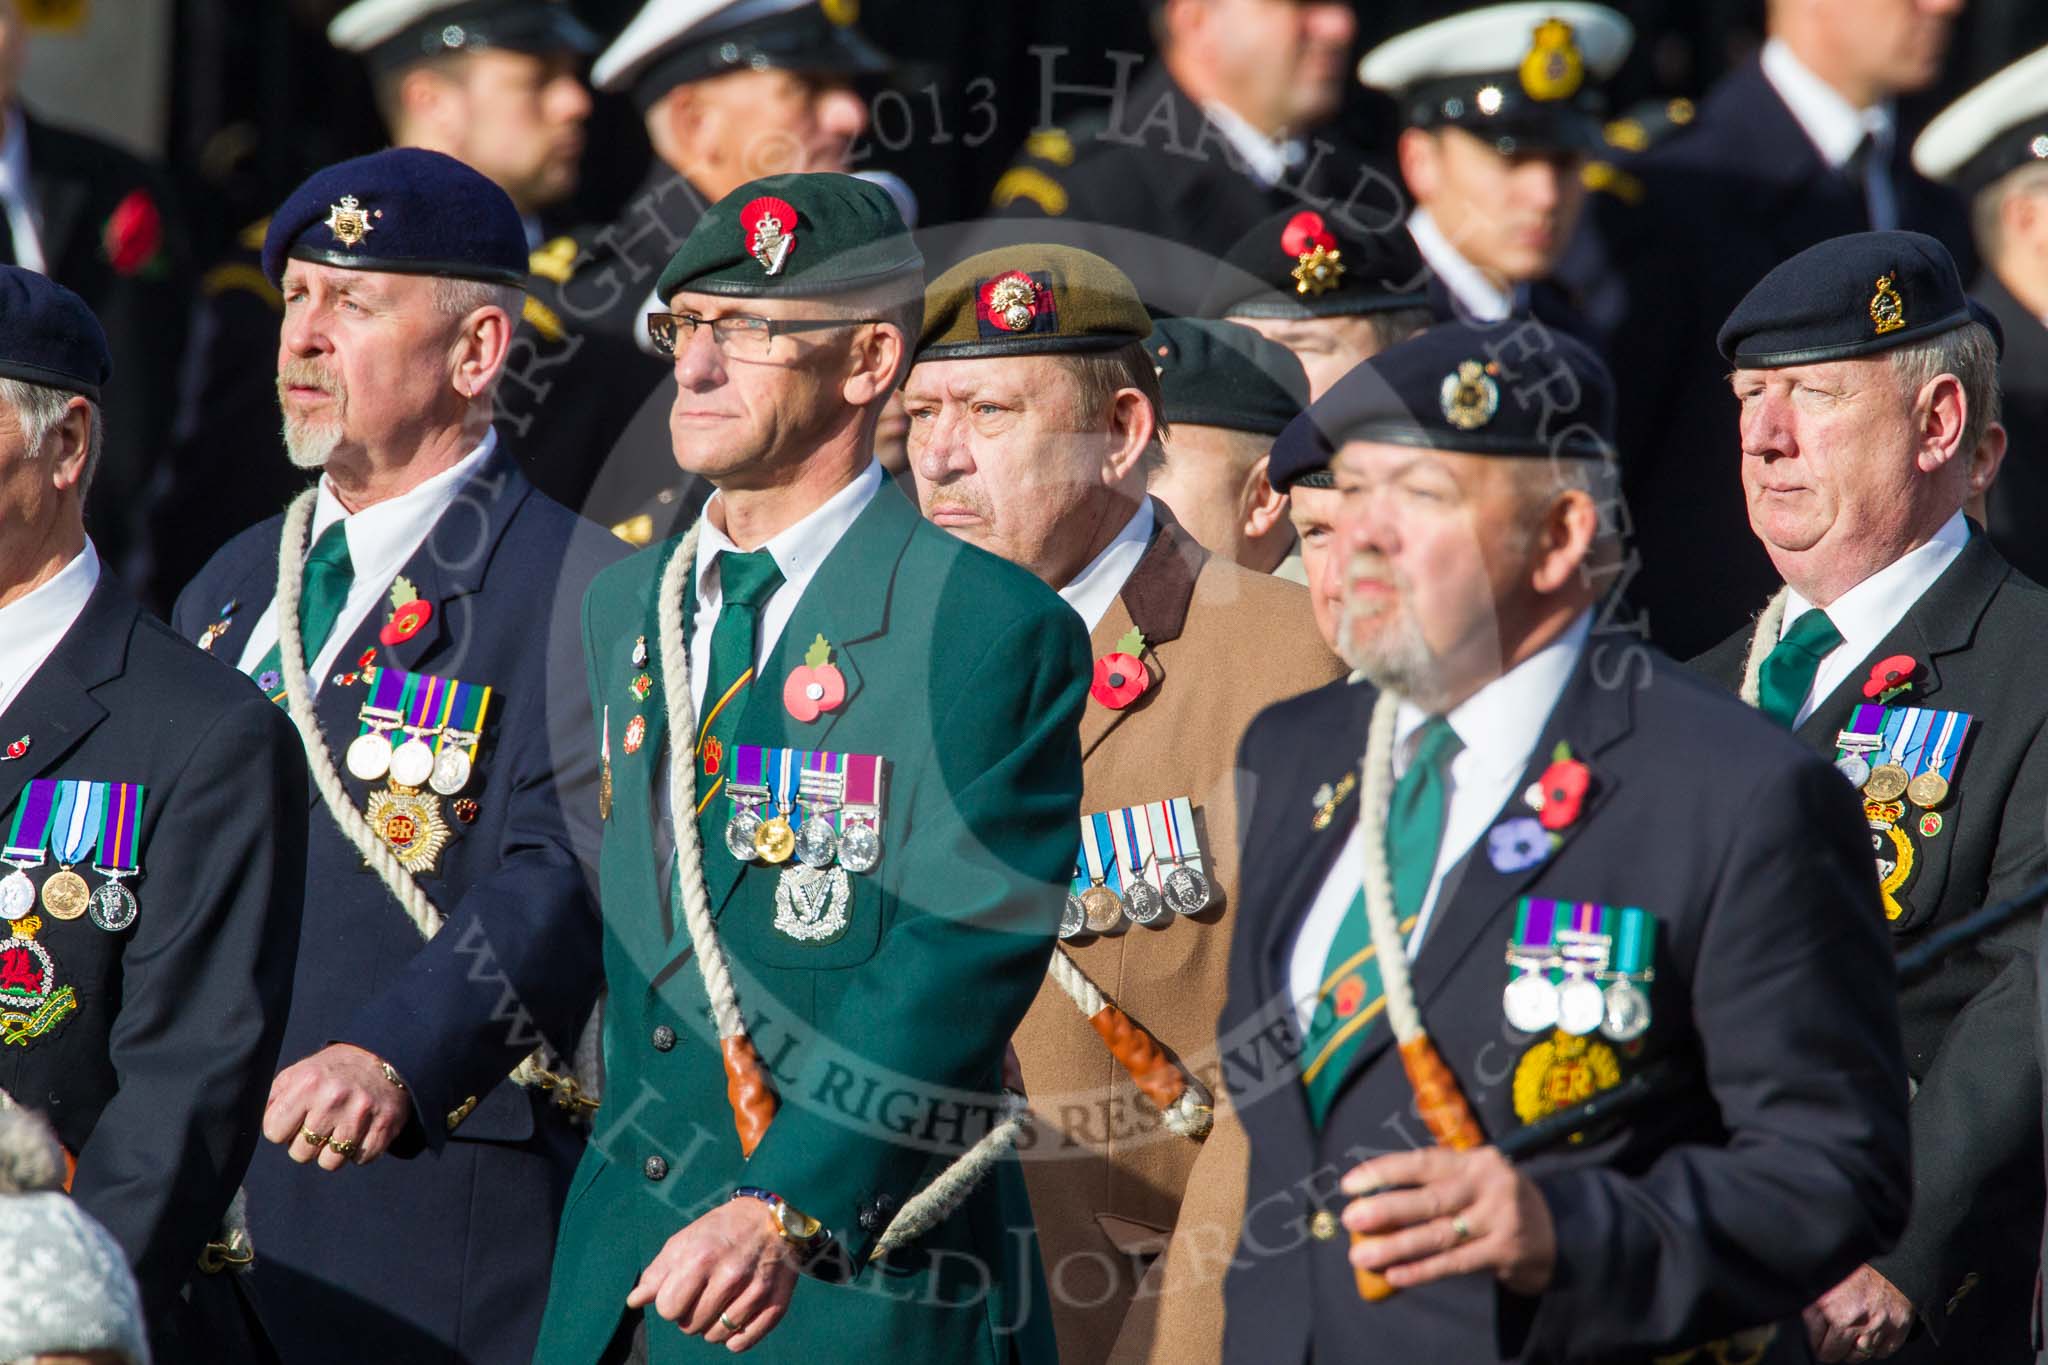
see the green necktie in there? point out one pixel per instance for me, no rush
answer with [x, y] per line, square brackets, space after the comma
[1787, 675]
[322, 591]
[745, 582]
[1349, 997]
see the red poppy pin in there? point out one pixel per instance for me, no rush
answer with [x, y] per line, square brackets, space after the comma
[1562, 789]
[133, 238]
[1889, 677]
[17, 748]
[1120, 675]
[769, 227]
[1304, 232]
[815, 686]
[409, 613]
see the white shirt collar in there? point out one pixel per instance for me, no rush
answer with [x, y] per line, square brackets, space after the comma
[32, 626]
[1480, 296]
[14, 154]
[1096, 586]
[798, 549]
[384, 535]
[1867, 612]
[1835, 126]
[1263, 157]
[1501, 722]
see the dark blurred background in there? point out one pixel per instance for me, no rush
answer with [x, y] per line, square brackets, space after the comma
[257, 99]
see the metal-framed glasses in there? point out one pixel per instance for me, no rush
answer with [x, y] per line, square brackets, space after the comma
[742, 335]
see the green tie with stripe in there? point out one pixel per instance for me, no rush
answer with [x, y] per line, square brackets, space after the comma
[1789, 669]
[745, 582]
[323, 590]
[1348, 999]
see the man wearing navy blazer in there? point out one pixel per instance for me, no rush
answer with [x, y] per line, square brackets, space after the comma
[405, 1208]
[1604, 873]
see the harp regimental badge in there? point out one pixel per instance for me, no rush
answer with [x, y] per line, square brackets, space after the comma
[348, 221]
[1887, 309]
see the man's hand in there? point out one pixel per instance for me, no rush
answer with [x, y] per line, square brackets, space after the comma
[339, 1094]
[1863, 1317]
[1433, 1213]
[726, 1277]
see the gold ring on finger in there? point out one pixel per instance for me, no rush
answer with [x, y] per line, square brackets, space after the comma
[727, 1323]
[312, 1139]
[341, 1146]
[1461, 1230]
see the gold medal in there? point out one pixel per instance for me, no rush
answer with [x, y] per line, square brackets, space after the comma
[66, 895]
[774, 840]
[1928, 790]
[1887, 782]
[1103, 907]
[410, 823]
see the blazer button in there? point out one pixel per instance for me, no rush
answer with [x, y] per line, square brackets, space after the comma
[1323, 1225]
[664, 1038]
[654, 1168]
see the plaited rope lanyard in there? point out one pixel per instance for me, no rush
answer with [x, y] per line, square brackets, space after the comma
[1182, 1100]
[291, 555]
[1761, 642]
[752, 1098]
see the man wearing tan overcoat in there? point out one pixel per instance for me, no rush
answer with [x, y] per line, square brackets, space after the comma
[1035, 410]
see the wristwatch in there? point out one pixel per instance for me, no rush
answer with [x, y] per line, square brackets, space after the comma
[804, 1234]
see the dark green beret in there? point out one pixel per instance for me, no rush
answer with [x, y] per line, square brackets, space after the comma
[1222, 374]
[796, 236]
[1030, 300]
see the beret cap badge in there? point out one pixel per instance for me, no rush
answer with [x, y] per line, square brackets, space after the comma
[770, 227]
[348, 221]
[1012, 300]
[1470, 396]
[1554, 68]
[1887, 309]
[1318, 264]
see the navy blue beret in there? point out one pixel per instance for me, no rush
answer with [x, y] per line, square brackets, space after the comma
[404, 210]
[1221, 374]
[1516, 388]
[1301, 264]
[1847, 297]
[48, 336]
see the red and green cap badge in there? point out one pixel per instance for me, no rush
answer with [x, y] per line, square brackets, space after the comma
[812, 234]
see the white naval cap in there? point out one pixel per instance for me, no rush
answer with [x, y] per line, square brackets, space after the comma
[1997, 127]
[1524, 74]
[389, 33]
[670, 42]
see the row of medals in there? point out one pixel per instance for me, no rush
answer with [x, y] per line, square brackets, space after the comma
[751, 837]
[1101, 908]
[414, 763]
[1886, 781]
[1533, 1003]
[66, 896]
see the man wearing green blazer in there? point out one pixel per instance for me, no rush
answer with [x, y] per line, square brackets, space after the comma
[803, 1147]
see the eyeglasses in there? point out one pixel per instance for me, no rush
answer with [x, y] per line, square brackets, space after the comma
[741, 335]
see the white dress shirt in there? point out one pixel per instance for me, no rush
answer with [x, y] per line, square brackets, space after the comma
[1499, 726]
[1836, 127]
[381, 538]
[1867, 612]
[798, 550]
[1484, 300]
[17, 193]
[1267, 160]
[1096, 586]
[32, 626]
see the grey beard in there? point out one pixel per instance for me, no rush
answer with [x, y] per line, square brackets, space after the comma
[1399, 661]
[308, 447]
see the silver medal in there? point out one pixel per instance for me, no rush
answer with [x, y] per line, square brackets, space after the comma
[1187, 890]
[412, 763]
[811, 903]
[1581, 1008]
[1628, 1012]
[369, 756]
[739, 833]
[1073, 918]
[1142, 902]
[1530, 1002]
[17, 895]
[1855, 767]
[816, 844]
[113, 907]
[451, 771]
[860, 845]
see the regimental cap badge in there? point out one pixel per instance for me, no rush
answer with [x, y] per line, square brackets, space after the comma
[1015, 301]
[769, 225]
[1470, 396]
[1554, 69]
[1887, 309]
[348, 221]
[1318, 264]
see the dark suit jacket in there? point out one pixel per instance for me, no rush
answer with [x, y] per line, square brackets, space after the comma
[2018, 509]
[1728, 1204]
[438, 1253]
[1977, 1196]
[157, 1083]
[1722, 202]
[79, 183]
